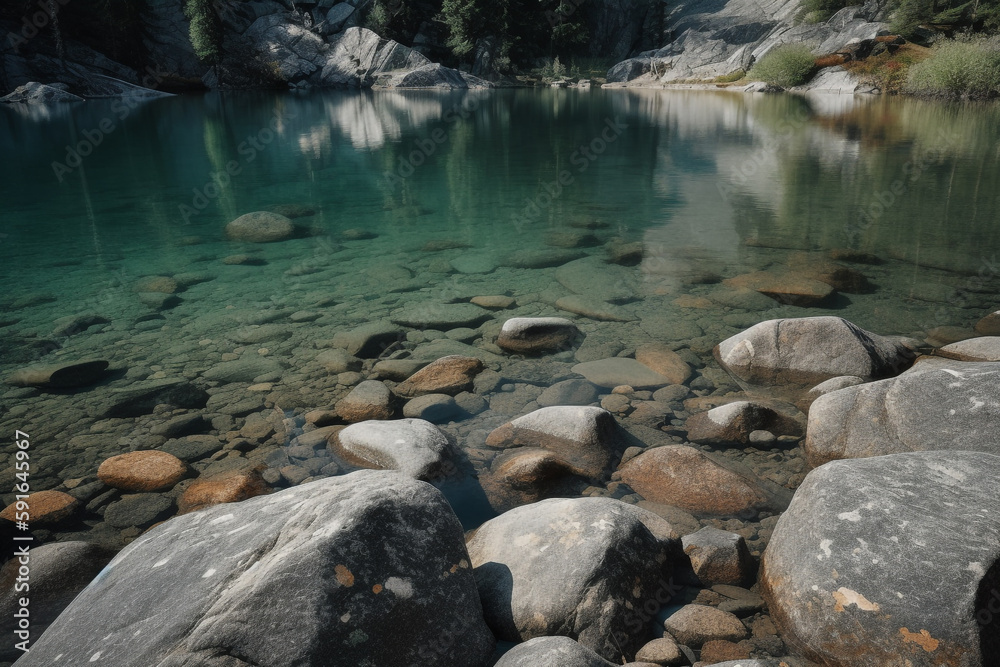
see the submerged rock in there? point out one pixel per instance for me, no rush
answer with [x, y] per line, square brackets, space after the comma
[414, 447]
[60, 376]
[572, 567]
[442, 316]
[142, 471]
[791, 288]
[809, 350]
[43, 507]
[230, 487]
[846, 571]
[617, 371]
[703, 484]
[525, 475]
[937, 404]
[662, 359]
[322, 566]
[447, 375]
[594, 308]
[368, 341]
[260, 227]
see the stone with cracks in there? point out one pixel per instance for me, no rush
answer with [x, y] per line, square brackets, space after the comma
[937, 404]
[368, 568]
[892, 560]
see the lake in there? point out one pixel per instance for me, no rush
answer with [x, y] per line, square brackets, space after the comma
[647, 215]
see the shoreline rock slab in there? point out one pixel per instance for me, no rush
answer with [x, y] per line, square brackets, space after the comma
[985, 348]
[809, 350]
[370, 567]
[441, 316]
[937, 404]
[891, 561]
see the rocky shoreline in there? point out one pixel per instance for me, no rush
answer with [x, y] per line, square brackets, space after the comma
[564, 472]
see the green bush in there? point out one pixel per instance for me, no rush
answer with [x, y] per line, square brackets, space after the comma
[786, 65]
[968, 68]
[815, 11]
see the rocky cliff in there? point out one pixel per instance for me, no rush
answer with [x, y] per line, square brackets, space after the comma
[710, 38]
[268, 44]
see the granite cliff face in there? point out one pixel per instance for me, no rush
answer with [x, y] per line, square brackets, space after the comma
[270, 43]
[709, 38]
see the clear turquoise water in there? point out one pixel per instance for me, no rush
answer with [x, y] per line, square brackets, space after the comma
[693, 174]
[714, 184]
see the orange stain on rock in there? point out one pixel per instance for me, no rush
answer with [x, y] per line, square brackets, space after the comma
[344, 576]
[923, 639]
[376, 589]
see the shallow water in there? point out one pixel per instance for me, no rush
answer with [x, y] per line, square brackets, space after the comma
[714, 184]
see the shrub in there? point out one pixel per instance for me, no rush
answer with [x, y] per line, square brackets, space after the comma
[731, 77]
[968, 68]
[786, 65]
[888, 71]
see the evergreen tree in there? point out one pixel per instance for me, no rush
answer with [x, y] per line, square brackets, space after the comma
[206, 30]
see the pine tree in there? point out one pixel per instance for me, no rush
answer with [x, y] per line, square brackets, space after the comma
[206, 30]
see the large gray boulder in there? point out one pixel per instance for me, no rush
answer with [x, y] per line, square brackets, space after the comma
[573, 567]
[809, 350]
[58, 571]
[891, 561]
[938, 404]
[551, 652]
[365, 569]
